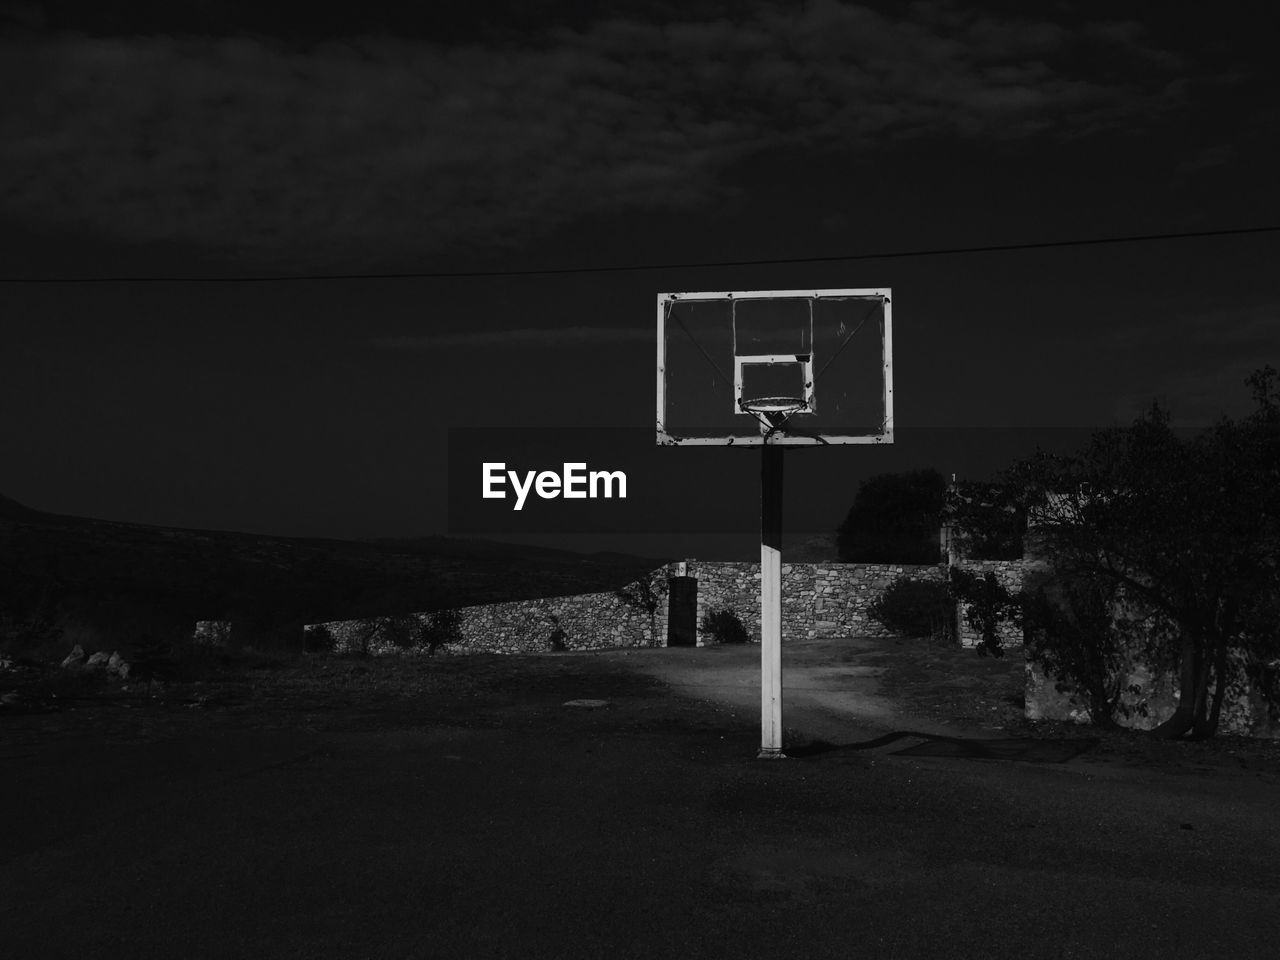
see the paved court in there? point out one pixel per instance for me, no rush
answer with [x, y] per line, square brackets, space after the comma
[524, 828]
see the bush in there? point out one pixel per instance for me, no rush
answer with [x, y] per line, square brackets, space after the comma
[989, 606]
[403, 632]
[441, 629]
[1074, 637]
[559, 640]
[319, 639]
[916, 608]
[724, 627]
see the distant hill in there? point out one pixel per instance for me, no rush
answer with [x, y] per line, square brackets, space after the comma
[123, 578]
[13, 510]
[810, 548]
[460, 547]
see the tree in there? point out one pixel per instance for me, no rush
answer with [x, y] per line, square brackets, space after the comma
[996, 520]
[1188, 528]
[1071, 631]
[441, 628]
[895, 518]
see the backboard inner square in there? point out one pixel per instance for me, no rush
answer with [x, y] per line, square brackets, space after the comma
[773, 376]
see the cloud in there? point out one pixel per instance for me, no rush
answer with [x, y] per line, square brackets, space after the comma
[520, 339]
[1202, 359]
[1205, 158]
[377, 149]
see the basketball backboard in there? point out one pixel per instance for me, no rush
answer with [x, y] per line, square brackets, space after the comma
[792, 367]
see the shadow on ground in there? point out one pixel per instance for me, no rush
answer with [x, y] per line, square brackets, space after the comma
[1011, 748]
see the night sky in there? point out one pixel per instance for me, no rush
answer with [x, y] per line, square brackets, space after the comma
[251, 141]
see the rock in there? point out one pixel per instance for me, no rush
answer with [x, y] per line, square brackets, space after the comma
[6, 664]
[212, 633]
[118, 665]
[75, 657]
[99, 659]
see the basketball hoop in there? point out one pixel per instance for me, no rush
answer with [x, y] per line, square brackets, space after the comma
[776, 406]
[773, 412]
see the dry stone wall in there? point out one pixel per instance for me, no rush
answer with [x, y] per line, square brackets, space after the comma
[633, 616]
[818, 599]
[1010, 574]
[834, 599]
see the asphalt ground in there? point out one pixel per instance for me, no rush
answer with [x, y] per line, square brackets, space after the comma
[458, 808]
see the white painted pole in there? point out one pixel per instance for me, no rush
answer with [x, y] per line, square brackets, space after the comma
[771, 602]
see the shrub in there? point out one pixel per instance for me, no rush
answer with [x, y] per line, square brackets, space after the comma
[917, 608]
[403, 632]
[319, 639]
[559, 640]
[1072, 634]
[441, 629]
[724, 627]
[989, 605]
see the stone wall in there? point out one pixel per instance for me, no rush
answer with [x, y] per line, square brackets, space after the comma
[1010, 574]
[834, 599]
[633, 616]
[818, 599]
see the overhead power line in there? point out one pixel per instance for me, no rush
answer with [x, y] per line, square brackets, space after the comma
[641, 267]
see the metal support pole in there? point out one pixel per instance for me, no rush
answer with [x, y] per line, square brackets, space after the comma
[771, 602]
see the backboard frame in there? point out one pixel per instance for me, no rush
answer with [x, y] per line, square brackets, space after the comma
[884, 435]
